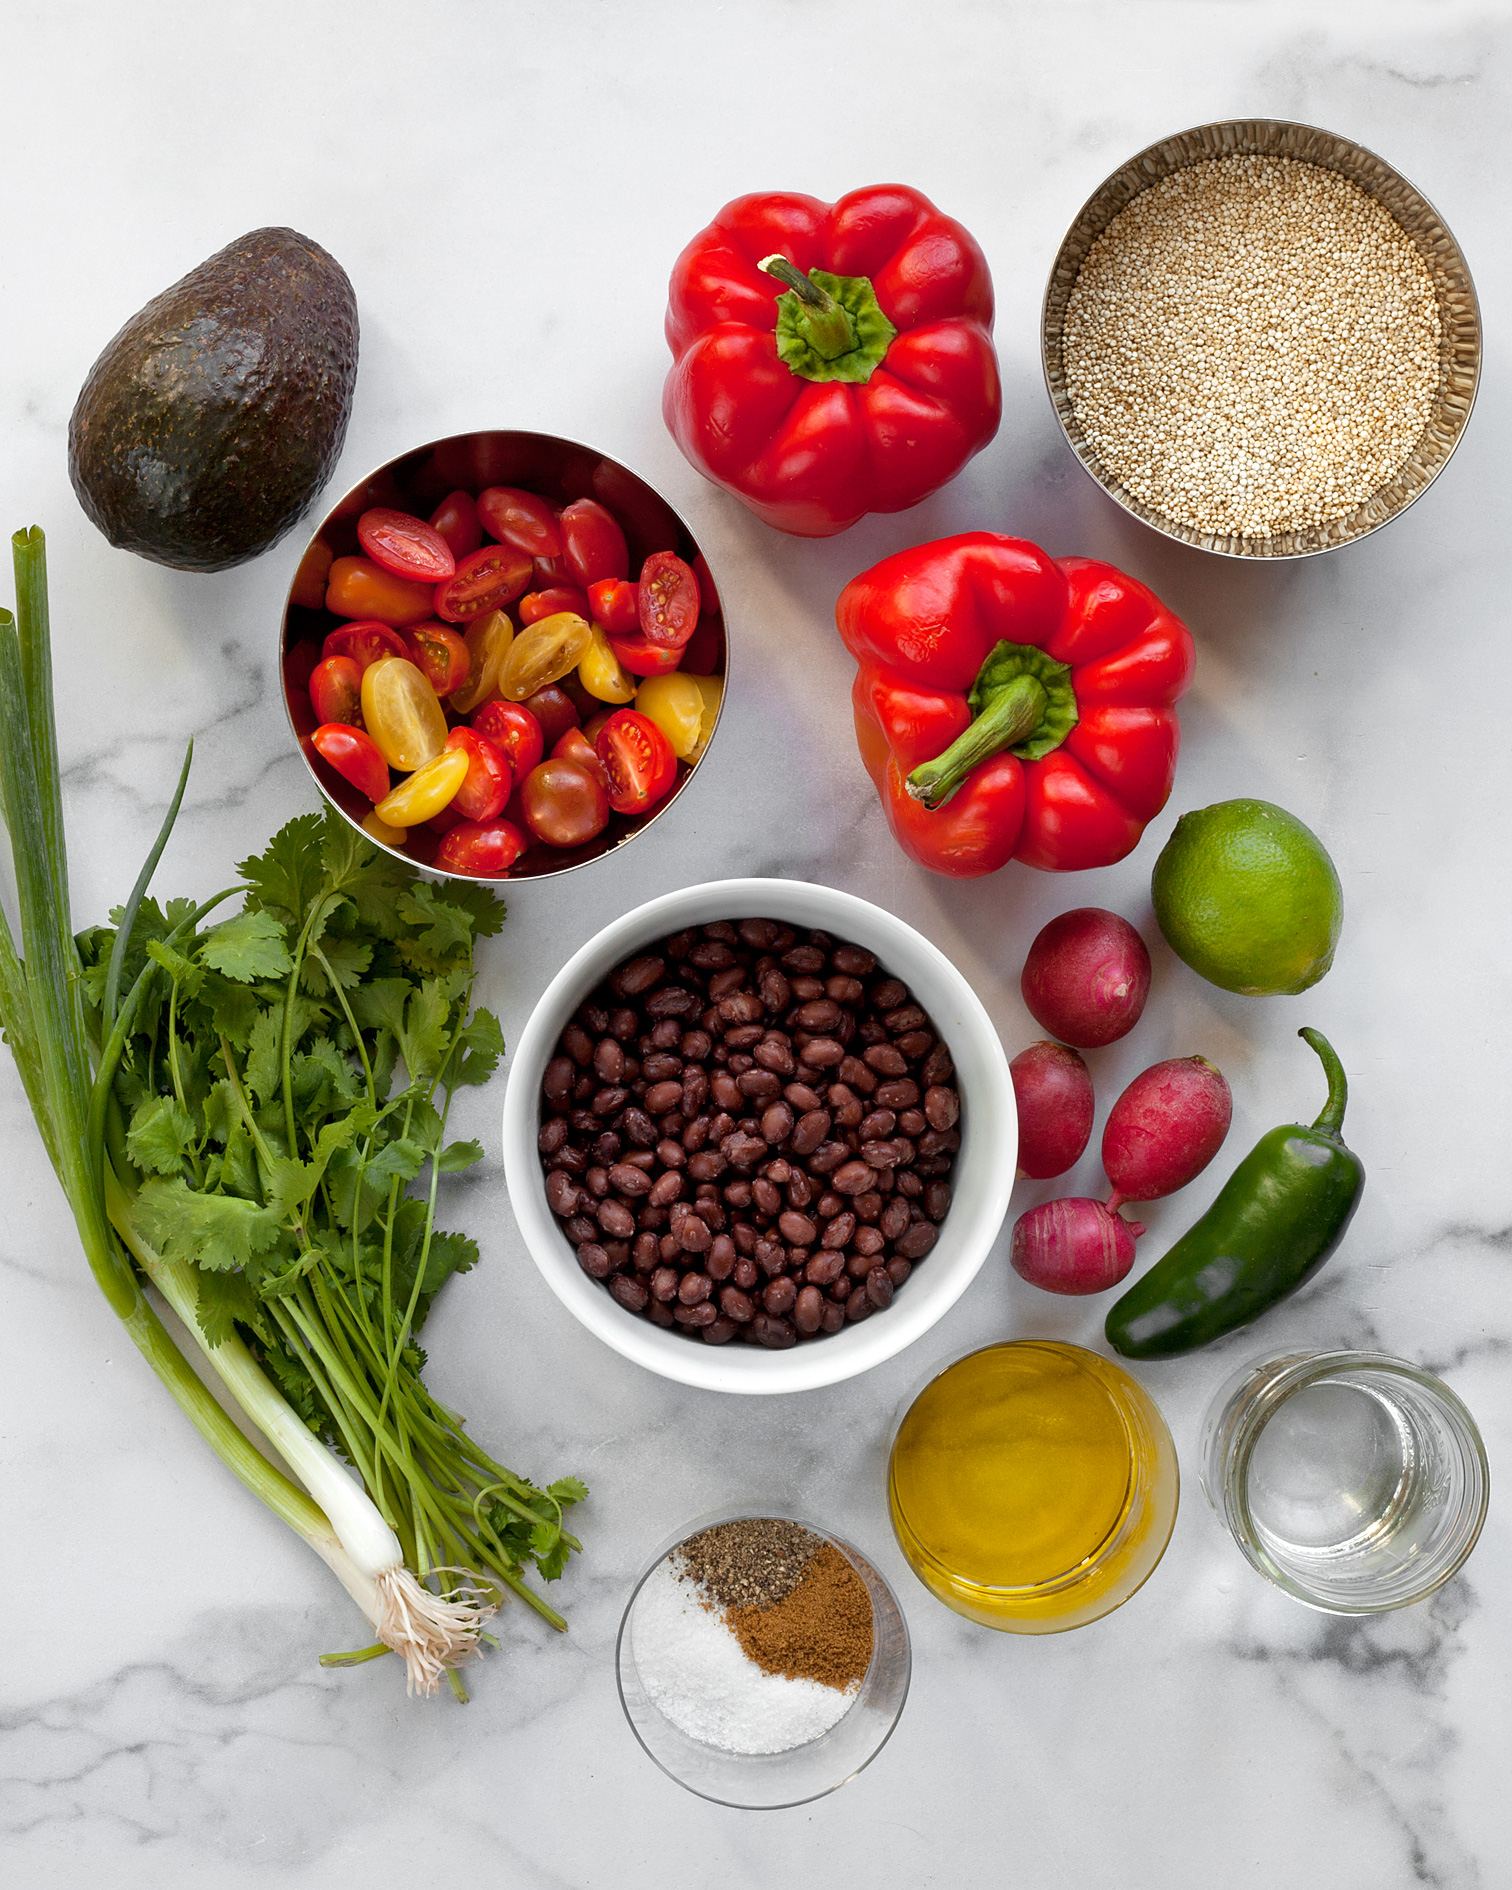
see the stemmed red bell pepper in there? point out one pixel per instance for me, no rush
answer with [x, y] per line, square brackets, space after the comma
[831, 360]
[1013, 706]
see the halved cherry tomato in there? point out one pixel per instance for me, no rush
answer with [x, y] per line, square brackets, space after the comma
[643, 658]
[576, 746]
[488, 579]
[365, 643]
[309, 587]
[707, 595]
[564, 803]
[521, 519]
[595, 723]
[482, 850]
[535, 605]
[336, 691]
[675, 704]
[380, 830]
[456, 518]
[299, 663]
[421, 795]
[304, 718]
[544, 653]
[486, 785]
[668, 598]
[554, 711]
[360, 588]
[711, 688]
[401, 713]
[703, 652]
[355, 756]
[444, 821]
[488, 640]
[593, 546]
[440, 655]
[404, 545]
[638, 759]
[601, 672]
[514, 731]
[614, 606]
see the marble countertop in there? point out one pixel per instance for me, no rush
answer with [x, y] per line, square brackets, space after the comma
[507, 186]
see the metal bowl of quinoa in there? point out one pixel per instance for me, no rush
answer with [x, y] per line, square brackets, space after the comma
[1260, 339]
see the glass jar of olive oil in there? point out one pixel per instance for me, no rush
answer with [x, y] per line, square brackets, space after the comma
[1033, 1486]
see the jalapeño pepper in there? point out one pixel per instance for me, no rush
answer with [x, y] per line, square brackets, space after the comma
[1278, 1218]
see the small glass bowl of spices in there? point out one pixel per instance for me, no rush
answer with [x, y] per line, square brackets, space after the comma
[762, 1661]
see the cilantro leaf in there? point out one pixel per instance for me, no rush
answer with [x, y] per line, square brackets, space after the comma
[264, 1070]
[160, 1136]
[345, 958]
[184, 972]
[286, 875]
[225, 1301]
[479, 1045]
[458, 1155]
[445, 928]
[568, 1490]
[248, 947]
[423, 1041]
[212, 1230]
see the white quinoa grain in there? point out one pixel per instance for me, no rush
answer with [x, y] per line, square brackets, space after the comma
[1252, 346]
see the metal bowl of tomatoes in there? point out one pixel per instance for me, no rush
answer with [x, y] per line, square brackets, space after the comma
[503, 655]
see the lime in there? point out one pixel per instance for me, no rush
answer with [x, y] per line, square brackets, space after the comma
[1248, 897]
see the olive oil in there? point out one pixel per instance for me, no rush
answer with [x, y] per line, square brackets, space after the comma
[1033, 1486]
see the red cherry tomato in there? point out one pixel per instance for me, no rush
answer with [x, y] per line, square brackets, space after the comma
[486, 785]
[564, 803]
[456, 518]
[484, 850]
[521, 519]
[708, 596]
[645, 659]
[355, 757]
[550, 572]
[405, 546]
[576, 746]
[299, 663]
[535, 605]
[703, 653]
[668, 600]
[304, 718]
[358, 588]
[638, 759]
[486, 580]
[615, 606]
[440, 655]
[365, 643]
[514, 731]
[593, 546]
[336, 691]
[553, 710]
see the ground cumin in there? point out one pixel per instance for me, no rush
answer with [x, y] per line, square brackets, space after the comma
[821, 1629]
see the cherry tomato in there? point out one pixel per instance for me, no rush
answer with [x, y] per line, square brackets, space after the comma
[645, 659]
[485, 580]
[601, 672]
[299, 663]
[336, 691]
[555, 713]
[703, 652]
[668, 600]
[593, 546]
[708, 596]
[592, 726]
[576, 746]
[614, 605]
[638, 759]
[485, 851]
[544, 653]
[486, 785]
[440, 655]
[404, 545]
[535, 605]
[360, 588]
[304, 718]
[564, 803]
[521, 519]
[711, 688]
[444, 821]
[488, 640]
[514, 731]
[380, 830]
[421, 795]
[675, 704]
[365, 643]
[401, 713]
[309, 587]
[355, 756]
[456, 518]
[550, 573]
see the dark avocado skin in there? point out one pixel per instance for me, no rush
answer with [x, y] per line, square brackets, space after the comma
[218, 412]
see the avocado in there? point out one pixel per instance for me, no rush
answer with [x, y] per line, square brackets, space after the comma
[218, 412]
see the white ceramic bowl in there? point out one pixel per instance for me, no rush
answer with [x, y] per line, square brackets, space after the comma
[981, 1182]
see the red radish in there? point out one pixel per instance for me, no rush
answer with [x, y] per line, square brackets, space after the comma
[1087, 977]
[1054, 1096]
[1075, 1246]
[1165, 1129]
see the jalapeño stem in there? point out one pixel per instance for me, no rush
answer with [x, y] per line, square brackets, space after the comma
[1331, 1121]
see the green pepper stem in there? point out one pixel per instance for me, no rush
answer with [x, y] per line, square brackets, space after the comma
[826, 326]
[1011, 716]
[1331, 1121]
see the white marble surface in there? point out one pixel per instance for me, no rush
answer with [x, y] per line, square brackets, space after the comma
[507, 186]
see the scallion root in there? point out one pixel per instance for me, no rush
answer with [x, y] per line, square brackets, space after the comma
[430, 1632]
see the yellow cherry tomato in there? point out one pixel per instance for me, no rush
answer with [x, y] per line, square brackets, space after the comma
[711, 688]
[382, 832]
[424, 793]
[601, 672]
[401, 713]
[488, 642]
[675, 703]
[543, 653]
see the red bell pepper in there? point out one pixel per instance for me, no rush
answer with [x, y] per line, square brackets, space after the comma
[863, 387]
[1013, 706]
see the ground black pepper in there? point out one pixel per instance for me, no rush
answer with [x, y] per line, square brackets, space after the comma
[751, 1563]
